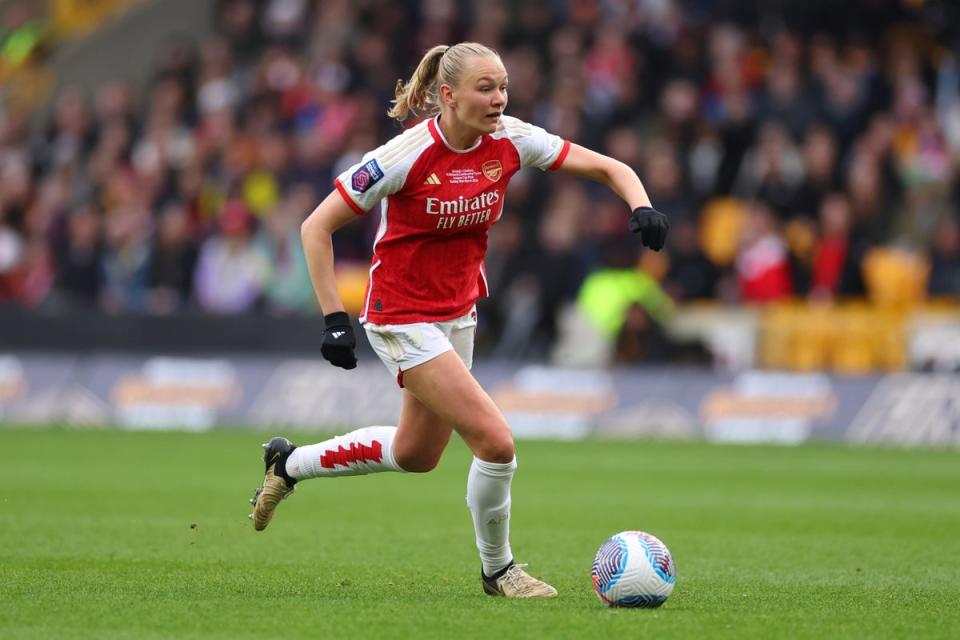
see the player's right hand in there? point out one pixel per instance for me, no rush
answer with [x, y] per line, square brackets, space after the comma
[338, 341]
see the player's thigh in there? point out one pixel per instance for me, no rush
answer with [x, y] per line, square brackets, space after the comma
[421, 436]
[447, 388]
[461, 332]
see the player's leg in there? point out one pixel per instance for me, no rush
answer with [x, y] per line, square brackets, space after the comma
[416, 445]
[421, 436]
[446, 387]
[359, 452]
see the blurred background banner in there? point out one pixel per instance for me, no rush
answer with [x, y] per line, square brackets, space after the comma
[162, 392]
[158, 157]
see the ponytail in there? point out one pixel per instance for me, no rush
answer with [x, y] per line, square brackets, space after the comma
[420, 96]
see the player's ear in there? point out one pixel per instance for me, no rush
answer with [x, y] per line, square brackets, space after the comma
[446, 95]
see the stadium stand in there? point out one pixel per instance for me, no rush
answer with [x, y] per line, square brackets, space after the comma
[810, 167]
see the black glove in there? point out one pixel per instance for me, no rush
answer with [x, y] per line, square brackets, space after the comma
[651, 225]
[338, 341]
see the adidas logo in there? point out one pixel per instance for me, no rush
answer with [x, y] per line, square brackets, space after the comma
[336, 334]
[433, 179]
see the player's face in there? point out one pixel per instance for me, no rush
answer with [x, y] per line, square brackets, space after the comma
[481, 95]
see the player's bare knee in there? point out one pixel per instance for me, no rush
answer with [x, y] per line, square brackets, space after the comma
[498, 447]
[417, 463]
[420, 466]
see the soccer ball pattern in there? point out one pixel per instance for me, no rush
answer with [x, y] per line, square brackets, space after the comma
[633, 569]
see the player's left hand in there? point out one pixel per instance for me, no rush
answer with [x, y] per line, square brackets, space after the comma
[651, 225]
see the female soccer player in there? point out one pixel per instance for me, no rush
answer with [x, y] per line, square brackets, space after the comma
[440, 185]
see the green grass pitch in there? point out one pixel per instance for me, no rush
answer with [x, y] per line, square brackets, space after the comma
[106, 534]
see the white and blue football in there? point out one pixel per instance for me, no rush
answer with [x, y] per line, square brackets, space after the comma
[633, 569]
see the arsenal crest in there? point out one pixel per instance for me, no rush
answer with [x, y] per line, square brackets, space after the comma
[492, 169]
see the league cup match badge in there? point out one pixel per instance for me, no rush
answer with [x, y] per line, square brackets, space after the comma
[492, 169]
[366, 176]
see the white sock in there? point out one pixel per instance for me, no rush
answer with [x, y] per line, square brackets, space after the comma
[367, 450]
[488, 496]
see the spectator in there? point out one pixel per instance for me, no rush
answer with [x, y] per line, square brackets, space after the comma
[763, 270]
[124, 261]
[11, 252]
[945, 260]
[641, 339]
[285, 93]
[172, 260]
[836, 267]
[690, 274]
[844, 104]
[819, 172]
[78, 255]
[71, 135]
[542, 278]
[33, 278]
[237, 21]
[786, 101]
[606, 294]
[663, 177]
[772, 170]
[288, 289]
[231, 273]
[873, 206]
[16, 189]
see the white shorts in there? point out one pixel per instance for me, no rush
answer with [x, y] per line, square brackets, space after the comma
[403, 346]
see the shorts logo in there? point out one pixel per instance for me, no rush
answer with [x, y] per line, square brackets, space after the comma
[492, 169]
[366, 176]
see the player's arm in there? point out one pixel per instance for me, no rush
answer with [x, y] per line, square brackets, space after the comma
[645, 220]
[584, 163]
[316, 233]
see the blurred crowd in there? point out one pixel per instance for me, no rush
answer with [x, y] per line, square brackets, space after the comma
[786, 141]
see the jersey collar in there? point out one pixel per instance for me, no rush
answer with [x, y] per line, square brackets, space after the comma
[434, 126]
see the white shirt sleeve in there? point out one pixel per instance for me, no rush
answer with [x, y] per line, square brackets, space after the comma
[383, 171]
[536, 146]
[366, 183]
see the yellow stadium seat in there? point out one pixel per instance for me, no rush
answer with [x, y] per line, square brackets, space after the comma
[774, 342]
[808, 352]
[852, 338]
[889, 335]
[351, 285]
[851, 345]
[895, 277]
[721, 222]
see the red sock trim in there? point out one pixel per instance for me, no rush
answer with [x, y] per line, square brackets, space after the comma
[356, 453]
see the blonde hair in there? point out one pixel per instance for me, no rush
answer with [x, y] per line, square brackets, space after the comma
[420, 95]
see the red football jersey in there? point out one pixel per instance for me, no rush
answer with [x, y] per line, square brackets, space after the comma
[437, 205]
